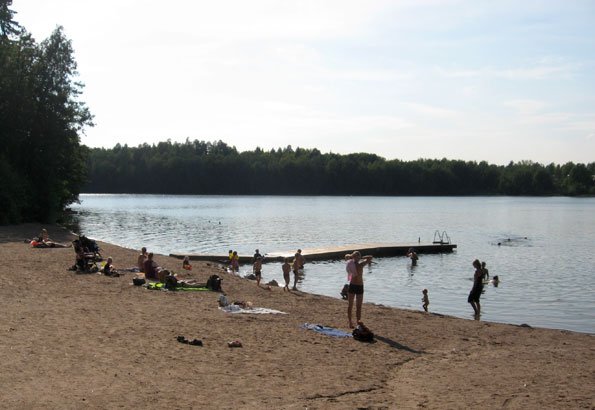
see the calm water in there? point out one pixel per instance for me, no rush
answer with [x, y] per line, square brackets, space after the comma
[545, 263]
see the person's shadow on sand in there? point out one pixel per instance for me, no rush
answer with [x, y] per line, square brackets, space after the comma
[397, 345]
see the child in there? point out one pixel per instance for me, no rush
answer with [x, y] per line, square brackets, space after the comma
[425, 299]
[108, 268]
[186, 263]
[257, 270]
[411, 254]
[235, 261]
[286, 269]
[345, 291]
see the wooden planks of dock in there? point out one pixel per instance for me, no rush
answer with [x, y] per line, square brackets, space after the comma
[336, 252]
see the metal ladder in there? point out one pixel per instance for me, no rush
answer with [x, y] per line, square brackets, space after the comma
[441, 238]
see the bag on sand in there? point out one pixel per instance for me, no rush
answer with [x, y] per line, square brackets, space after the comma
[214, 283]
[363, 334]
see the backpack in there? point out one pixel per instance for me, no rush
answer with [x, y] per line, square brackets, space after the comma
[363, 334]
[214, 283]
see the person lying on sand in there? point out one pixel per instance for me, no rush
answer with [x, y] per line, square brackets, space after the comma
[43, 241]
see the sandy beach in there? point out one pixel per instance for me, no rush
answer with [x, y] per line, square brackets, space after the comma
[74, 341]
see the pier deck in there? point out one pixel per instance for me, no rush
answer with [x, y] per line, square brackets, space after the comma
[336, 252]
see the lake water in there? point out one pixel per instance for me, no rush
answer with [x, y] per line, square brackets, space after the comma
[545, 261]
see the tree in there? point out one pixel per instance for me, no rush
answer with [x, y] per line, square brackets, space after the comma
[44, 165]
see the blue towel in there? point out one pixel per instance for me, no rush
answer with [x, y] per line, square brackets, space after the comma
[329, 331]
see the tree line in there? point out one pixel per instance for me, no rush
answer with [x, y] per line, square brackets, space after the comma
[215, 168]
[42, 163]
[44, 167]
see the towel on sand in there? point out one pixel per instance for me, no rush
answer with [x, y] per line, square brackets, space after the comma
[325, 330]
[257, 310]
[161, 286]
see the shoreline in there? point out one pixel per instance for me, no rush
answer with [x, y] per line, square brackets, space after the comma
[89, 340]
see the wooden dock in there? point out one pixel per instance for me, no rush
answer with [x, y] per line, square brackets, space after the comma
[337, 252]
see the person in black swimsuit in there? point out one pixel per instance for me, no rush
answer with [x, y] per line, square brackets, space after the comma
[477, 288]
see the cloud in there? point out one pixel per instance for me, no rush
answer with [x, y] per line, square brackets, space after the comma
[531, 72]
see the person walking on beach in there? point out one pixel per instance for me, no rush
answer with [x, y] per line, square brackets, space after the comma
[355, 275]
[477, 288]
[425, 299]
[235, 262]
[257, 270]
[286, 267]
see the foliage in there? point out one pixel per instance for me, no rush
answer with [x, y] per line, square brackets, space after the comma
[198, 167]
[42, 164]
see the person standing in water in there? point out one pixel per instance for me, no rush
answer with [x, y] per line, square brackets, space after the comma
[477, 288]
[355, 275]
[286, 267]
[413, 255]
[295, 267]
[486, 273]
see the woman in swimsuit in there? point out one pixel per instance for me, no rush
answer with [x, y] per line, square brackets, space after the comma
[355, 275]
[477, 288]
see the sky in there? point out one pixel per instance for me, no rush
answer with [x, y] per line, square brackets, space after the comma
[475, 80]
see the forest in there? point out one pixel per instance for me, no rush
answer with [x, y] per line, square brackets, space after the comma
[42, 163]
[215, 168]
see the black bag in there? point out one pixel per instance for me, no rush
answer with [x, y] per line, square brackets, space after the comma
[363, 334]
[214, 283]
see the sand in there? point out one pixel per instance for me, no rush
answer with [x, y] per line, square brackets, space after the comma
[74, 341]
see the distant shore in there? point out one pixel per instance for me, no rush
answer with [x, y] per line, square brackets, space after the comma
[72, 340]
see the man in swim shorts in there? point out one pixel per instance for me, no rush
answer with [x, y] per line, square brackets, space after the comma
[257, 270]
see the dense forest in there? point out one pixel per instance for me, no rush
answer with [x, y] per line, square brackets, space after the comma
[198, 167]
[42, 164]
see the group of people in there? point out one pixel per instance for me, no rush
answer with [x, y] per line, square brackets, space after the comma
[295, 265]
[353, 291]
[149, 267]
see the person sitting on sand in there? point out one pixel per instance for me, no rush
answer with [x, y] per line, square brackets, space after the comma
[186, 263]
[286, 267]
[151, 268]
[108, 268]
[425, 299]
[140, 262]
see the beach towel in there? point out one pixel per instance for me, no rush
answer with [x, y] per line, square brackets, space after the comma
[325, 330]
[161, 286]
[253, 310]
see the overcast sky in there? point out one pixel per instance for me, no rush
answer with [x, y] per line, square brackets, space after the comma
[473, 80]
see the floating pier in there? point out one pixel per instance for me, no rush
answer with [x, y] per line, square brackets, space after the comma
[336, 252]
